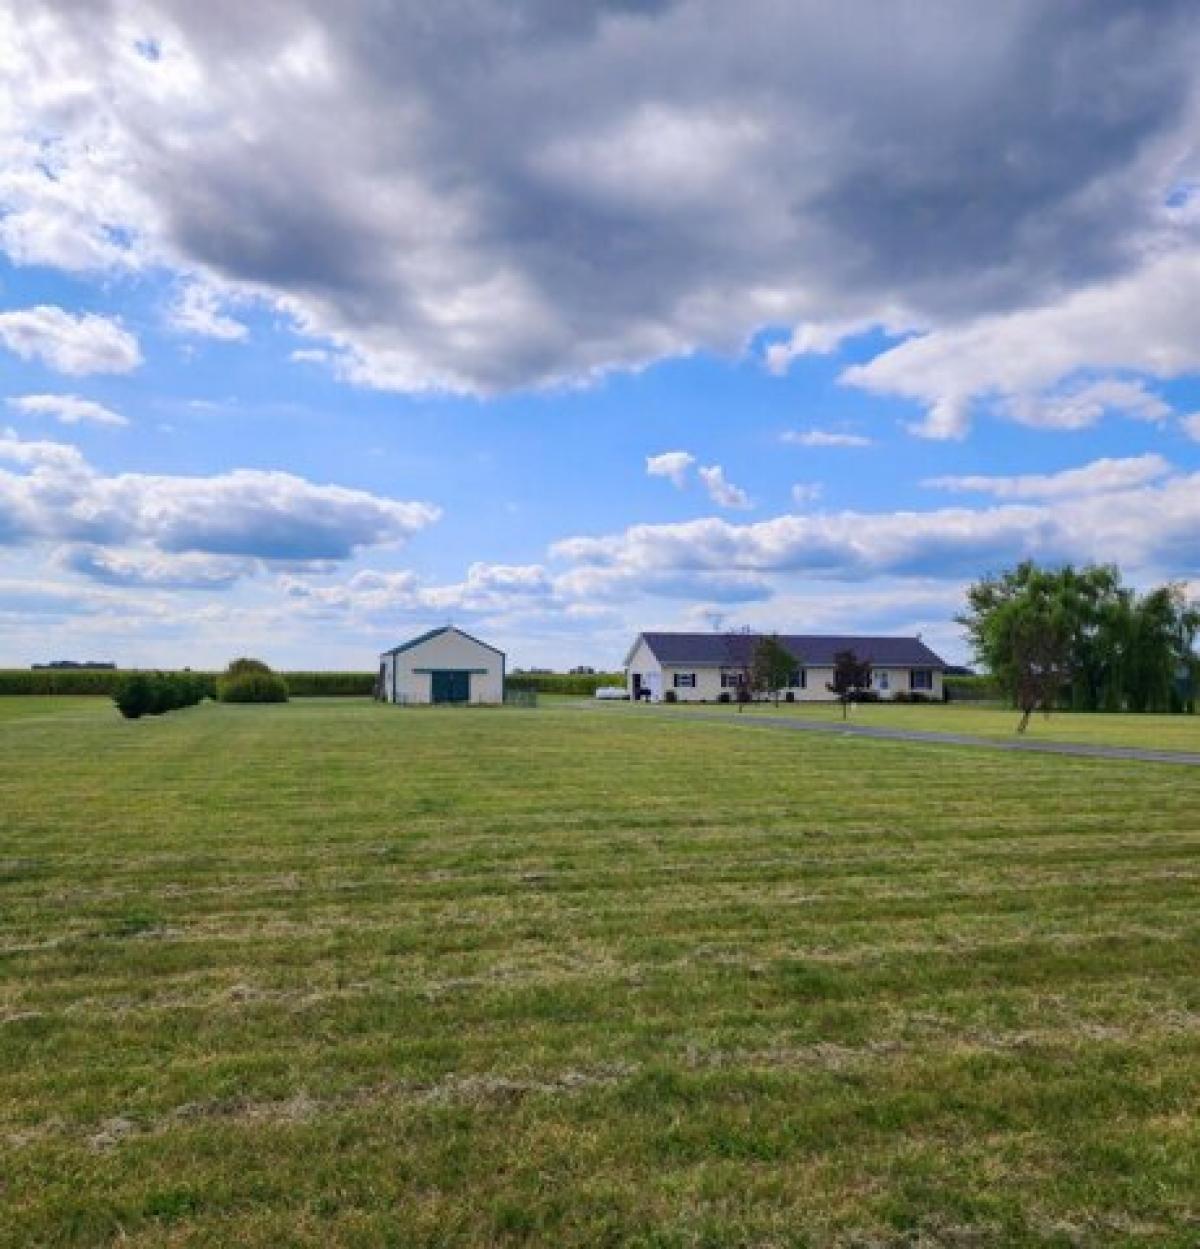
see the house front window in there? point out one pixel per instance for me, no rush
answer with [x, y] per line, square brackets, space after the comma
[922, 679]
[685, 680]
[798, 679]
[883, 682]
[730, 680]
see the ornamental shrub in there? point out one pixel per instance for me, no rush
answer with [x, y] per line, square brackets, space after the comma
[134, 696]
[240, 667]
[154, 693]
[251, 681]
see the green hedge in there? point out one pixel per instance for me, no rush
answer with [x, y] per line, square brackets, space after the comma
[252, 687]
[563, 683]
[972, 689]
[155, 693]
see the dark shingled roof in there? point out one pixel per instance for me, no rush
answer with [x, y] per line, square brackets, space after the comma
[433, 633]
[810, 649]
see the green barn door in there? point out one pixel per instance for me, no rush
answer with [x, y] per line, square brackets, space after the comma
[450, 687]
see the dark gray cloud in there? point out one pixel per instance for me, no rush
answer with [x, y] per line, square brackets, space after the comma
[482, 196]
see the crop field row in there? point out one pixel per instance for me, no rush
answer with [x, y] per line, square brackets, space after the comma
[341, 974]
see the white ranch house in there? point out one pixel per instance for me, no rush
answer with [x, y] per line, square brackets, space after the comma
[700, 667]
[444, 665]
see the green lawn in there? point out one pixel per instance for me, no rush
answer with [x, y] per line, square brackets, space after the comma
[22, 707]
[337, 974]
[1162, 732]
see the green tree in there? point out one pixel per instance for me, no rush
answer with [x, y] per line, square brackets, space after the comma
[739, 666]
[1078, 637]
[1162, 654]
[251, 681]
[1024, 627]
[771, 667]
[851, 678]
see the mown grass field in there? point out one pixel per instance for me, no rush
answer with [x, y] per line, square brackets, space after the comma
[337, 974]
[1161, 732]
[21, 707]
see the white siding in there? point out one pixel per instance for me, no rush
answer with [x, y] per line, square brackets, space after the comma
[642, 664]
[708, 686]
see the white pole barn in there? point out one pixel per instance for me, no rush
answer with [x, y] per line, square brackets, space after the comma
[444, 665]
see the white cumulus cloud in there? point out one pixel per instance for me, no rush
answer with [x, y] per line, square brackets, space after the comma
[1147, 527]
[722, 491]
[273, 516]
[199, 310]
[1099, 477]
[68, 343]
[1147, 321]
[673, 465]
[824, 438]
[68, 409]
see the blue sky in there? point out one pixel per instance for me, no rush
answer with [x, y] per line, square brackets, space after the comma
[561, 325]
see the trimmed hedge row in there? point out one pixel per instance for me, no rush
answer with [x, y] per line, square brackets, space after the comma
[562, 682]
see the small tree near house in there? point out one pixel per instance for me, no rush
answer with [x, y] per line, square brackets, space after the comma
[772, 667]
[739, 665]
[851, 678]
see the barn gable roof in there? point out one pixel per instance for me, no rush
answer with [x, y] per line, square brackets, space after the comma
[815, 650]
[429, 635]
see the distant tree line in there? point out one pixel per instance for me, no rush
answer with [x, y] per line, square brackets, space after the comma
[1079, 639]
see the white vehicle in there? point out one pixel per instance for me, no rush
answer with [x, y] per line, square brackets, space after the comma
[611, 692]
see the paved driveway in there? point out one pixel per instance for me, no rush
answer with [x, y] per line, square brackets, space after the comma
[842, 728]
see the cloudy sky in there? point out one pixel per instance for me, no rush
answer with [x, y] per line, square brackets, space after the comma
[320, 325]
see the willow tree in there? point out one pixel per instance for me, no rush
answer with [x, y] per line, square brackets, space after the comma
[1078, 637]
[1024, 627]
